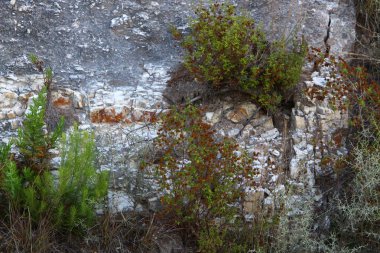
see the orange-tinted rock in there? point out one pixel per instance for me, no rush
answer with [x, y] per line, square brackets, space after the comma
[106, 115]
[110, 115]
[149, 116]
[62, 102]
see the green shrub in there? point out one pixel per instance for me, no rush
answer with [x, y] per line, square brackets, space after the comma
[354, 216]
[359, 208]
[202, 179]
[32, 141]
[68, 201]
[367, 51]
[225, 49]
[355, 211]
[80, 187]
[4, 153]
[71, 199]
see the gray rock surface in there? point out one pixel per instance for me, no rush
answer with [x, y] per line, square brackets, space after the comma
[123, 45]
[111, 60]
[116, 41]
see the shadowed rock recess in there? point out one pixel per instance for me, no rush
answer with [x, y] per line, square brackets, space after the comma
[111, 61]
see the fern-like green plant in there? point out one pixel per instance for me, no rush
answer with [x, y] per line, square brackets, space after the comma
[33, 58]
[72, 198]
[11, 181]
[80, 188]
[29, 187]
[33, 141]
[4, 153]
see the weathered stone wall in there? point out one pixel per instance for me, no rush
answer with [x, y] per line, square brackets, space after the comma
[112, 59]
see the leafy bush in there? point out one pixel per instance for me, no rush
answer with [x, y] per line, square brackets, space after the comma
[299, 234]
[225, 49]
[33, 140]
[202, 178]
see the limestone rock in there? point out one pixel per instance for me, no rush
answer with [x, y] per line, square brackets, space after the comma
[119, 201]
[299, 122]
[120, 59]
[233, 132]
[248, 131]
[275, 152]
[253, 202]
[10, 95]
[122, 20]
[295, 168]
[137, 115]
[241, 112]
[154, 204]
[308, 109]
[62, 98]
[209, 116]
[19, 110]
[78, 101]
[271, 134]
[216, 117]
[15, 124]
[319, 81]
[324, 110]
[268, 124]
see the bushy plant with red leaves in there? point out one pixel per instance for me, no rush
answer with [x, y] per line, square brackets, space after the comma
[202, 178]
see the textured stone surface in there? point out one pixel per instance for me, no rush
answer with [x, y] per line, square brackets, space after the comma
[254, 201]
[111, 61]
[313, 129]
[311, 18]
[124, 42]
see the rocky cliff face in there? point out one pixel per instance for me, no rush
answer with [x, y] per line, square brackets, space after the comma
[112, 60]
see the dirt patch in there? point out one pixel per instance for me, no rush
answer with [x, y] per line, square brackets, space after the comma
[182, 87]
